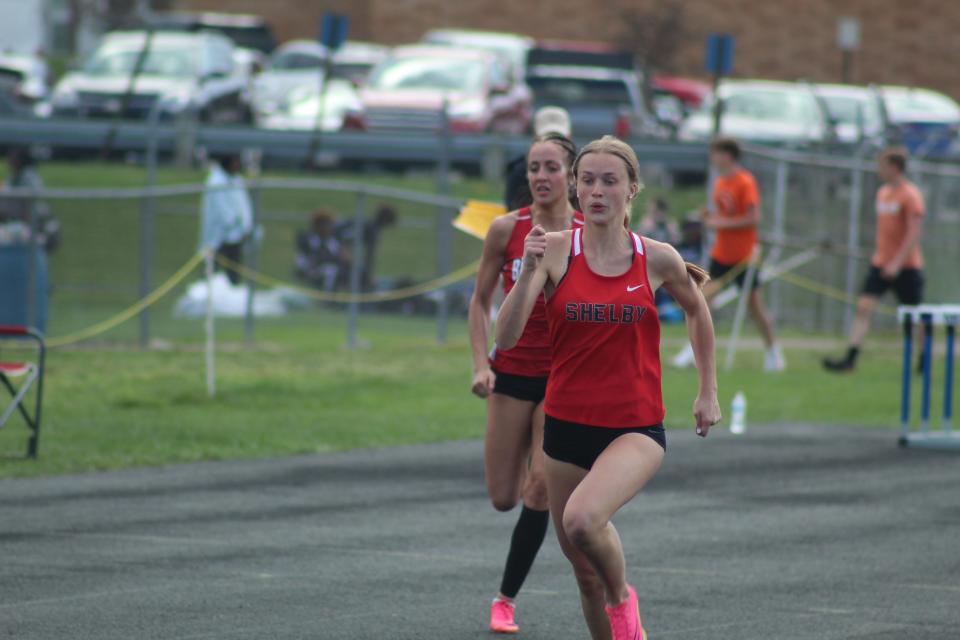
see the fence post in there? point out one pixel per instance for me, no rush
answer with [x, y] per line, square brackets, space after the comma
[444, 237]
[146, 223]
[356, 271]
[209, 324]
[853, 240]
[779, 226]
[248, 319]
[32, 255]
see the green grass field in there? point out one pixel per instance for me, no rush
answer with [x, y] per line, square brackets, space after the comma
[110, 405]
[300, 391]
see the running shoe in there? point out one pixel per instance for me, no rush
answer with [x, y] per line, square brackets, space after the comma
[625, 619]
[773, 360]
[840, 365]
[501, 617]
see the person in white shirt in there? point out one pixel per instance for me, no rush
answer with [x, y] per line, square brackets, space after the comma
[226, 212]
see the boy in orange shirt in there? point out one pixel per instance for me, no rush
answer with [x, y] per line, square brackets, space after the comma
[736, 219]
[897, 262]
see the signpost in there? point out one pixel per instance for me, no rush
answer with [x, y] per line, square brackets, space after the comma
[848, 39]
[333, 34]
[719, 63]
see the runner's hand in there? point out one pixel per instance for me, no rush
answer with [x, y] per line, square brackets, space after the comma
[483, 383]
[534, 247]
[706, 411]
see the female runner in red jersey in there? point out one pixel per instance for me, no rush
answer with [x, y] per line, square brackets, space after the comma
[604, 436]
[514, 381]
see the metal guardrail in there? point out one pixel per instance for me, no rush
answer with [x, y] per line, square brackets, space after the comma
[88, 136]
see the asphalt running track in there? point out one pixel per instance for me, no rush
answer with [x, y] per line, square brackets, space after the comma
[789, 532]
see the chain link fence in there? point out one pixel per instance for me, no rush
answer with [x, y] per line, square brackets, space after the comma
[118, 246]
[811, 200]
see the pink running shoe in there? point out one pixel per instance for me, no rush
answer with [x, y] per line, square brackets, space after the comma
[625, 619]
[501, 617]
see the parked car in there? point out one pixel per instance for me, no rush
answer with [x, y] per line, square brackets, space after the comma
[182, 73]
[511, 46]
[354, 60]
[764, 112]
[598, 86]
[28, 74]
[408, 90]
[251, 35]
[691, 93]
[292, 65]
[925, 121]
[856, 113]
[300, 108]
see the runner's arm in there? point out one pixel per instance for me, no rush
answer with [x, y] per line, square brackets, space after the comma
[478, 315]
[684, 281]
[540, 252]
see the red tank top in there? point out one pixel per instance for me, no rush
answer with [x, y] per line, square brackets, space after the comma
[605, 334]
[531, 355]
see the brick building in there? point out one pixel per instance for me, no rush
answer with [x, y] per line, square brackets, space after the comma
[915, 43]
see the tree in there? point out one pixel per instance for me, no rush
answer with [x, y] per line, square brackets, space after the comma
[654, 33]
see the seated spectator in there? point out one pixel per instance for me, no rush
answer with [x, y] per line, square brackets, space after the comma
[657, 224]
[385, 216]
[321, 257]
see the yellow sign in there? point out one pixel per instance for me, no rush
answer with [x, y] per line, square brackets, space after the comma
[476, 217]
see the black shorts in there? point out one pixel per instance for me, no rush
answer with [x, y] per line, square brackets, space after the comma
[581, 444]
[530, 388]
[718, 270]
[908, 285]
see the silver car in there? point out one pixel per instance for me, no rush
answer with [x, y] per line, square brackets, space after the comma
[301, 108]
[855, 112]
[292, 65]
[181, 73]
[764, 112]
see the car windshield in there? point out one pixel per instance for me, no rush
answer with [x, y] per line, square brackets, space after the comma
[159, 62]
[443, 74]
[296, 61]
[853, 110]
[580, 91]
[772, 106]
[902, 105]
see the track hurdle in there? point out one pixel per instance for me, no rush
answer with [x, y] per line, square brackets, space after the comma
[928, 316]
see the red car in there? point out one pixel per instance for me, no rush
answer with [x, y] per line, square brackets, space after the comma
[407, 92]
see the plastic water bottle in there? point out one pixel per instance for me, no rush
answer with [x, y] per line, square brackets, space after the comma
[738, 413]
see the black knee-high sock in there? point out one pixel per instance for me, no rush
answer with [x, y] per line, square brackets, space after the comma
[527, 537]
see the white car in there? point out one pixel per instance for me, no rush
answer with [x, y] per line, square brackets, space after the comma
[28, 75]
[300, 109]
[761, 111]
[292, 65]
[855, 112]
[182, 73]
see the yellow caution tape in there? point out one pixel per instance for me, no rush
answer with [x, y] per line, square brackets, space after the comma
[131, 311]
[828, 291]
[377, 296]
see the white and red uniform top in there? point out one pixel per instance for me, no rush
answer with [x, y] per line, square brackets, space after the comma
[531, 355]
[605, 334]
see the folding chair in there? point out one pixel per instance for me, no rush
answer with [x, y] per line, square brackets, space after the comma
[31, 373]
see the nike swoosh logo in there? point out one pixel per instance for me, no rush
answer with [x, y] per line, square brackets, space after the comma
[632, 289]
